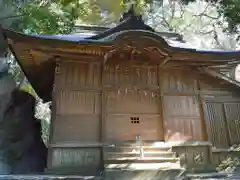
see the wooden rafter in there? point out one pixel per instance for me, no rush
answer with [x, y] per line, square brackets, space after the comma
[220, 75]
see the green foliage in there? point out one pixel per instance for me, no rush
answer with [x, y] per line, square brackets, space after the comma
[60, 16]
[43, 20]
[28, 88]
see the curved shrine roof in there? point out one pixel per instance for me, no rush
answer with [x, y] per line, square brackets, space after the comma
[35, 53]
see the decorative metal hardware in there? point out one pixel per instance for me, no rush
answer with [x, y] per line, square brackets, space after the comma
[58, 65]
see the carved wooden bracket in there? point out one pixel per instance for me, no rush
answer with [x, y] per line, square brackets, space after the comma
[154, 55]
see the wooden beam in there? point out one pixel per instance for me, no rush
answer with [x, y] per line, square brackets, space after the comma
[165, 61]
[220, 75]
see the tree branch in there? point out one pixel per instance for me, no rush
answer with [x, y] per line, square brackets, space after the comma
[206, 15]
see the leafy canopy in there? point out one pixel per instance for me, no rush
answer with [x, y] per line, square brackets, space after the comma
[60, 16]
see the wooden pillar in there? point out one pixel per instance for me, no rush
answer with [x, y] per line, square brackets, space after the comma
[201, 112]
[160, 98]
[103, 107]
[53, 112]
[103, 117]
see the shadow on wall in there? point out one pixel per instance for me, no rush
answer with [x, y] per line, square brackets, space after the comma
[22, 150]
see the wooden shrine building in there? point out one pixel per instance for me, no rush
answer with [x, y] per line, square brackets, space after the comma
[125, 83]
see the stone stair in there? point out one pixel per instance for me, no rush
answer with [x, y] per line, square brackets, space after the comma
[140, 157]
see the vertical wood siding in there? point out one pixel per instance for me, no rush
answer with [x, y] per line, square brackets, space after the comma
[136, 91]
[77, 102]
[133, 92]
[232, 111]
[182, 118]
[130, 76]
[76, 129]
[174, 80]
[66, 157]
[216, 124]
[77, 75]
[132, 101]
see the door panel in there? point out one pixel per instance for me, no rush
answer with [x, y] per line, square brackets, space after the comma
[232, 111]
[216, 126]
[182, 118]
[127, 126]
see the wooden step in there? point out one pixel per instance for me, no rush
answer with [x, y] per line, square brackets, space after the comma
[143, 166]
[137, 154]
[139, 160]
[136, 148]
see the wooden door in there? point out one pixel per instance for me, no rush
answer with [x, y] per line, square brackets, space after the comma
[130, 109]
[132, 113]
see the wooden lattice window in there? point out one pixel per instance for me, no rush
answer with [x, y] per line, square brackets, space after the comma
[134, 120]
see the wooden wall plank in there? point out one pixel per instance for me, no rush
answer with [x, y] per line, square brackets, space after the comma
[232, 111]
[78, 102]
[132, 101]
[78, 157]
[216, 124]
[133, 76]
[76, 128]
[76, 75]
[120, 127]
[177, 80]
[182, 118]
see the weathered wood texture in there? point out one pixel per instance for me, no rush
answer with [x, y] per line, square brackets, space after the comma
[77, 118]
[132, 102]
[131, 91]
[76, 156]
[222, 117]
[78, 101]
[181, 111]
[195, 156]
[75, 161]
[182, 118]
[117, 102]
